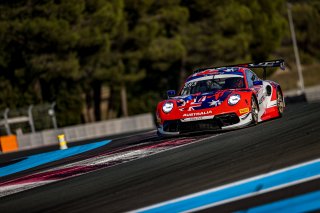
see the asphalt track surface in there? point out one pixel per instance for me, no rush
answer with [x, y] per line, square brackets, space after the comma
[218, 159]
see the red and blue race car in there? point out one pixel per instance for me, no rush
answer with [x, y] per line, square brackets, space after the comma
[220, 99]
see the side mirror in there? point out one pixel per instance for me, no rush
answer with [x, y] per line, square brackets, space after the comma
[256, 83]
[171, 93]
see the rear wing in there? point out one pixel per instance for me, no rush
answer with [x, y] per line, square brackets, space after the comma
[264, 65]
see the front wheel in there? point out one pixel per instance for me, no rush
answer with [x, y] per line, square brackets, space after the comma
[159, 134]
[254, 111]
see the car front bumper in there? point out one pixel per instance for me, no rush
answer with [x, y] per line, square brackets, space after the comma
[218, 122]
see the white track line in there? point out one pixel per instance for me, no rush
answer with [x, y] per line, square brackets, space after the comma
[255, 193]
[235, 184]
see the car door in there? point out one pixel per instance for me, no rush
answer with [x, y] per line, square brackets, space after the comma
[257, 89]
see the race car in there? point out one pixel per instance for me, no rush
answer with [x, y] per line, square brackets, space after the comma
[221, 98]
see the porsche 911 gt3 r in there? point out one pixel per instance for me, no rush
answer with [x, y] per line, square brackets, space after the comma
[220, 99]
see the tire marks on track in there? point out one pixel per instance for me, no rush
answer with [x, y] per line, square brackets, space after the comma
[103, 160]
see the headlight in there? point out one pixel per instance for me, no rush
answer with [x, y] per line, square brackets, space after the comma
[167, 107]
[234, 99]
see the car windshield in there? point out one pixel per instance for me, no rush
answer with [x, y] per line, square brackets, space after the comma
[208, 85]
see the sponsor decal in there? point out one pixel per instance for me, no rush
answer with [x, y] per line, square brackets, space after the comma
[244, 110]
[197, 113]
[197, 118]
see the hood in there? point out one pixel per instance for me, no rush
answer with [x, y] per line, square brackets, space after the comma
[201, 101]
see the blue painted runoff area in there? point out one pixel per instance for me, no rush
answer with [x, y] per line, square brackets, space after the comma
[237, 189]
[302, 203]
[43, 158]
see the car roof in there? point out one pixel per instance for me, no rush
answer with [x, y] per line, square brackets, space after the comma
[218, 71]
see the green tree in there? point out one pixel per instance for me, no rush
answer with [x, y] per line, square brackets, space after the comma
[306, 18]
[155, 36]
[54, 50]
[268, 26]
[67, 51]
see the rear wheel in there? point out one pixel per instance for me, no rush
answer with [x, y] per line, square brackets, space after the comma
[280, 103]
[254, 111]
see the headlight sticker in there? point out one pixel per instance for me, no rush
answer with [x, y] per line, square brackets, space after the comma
[234, 99]
[167, 107]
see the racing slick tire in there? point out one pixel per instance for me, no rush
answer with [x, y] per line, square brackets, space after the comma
[254, 111]
[280, 103]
